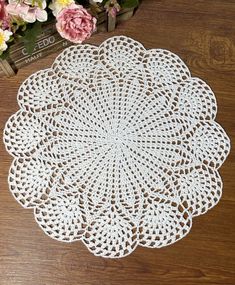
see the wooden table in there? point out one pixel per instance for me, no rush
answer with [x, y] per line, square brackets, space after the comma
[202, 33]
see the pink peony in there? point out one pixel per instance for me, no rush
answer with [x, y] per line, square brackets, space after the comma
[4, 17]
[75, 24]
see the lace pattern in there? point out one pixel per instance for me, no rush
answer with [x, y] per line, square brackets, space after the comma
[116, 146]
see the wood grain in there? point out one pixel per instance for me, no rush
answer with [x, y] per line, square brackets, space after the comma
[202, 33]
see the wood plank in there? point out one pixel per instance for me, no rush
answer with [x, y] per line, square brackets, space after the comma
[202, 34]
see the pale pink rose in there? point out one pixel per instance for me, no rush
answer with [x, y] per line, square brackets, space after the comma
[28, 11]
[75, 24]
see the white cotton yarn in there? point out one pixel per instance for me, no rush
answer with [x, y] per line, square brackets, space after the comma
[116, 146]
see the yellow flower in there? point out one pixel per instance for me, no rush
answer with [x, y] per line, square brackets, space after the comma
[64, 2]
[57, 5]
[4, 37]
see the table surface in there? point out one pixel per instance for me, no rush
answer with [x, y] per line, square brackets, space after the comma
[202, 33]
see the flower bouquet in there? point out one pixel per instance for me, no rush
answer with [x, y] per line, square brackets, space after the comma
[26, 25]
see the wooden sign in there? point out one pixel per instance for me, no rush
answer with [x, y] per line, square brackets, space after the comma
[50, 41]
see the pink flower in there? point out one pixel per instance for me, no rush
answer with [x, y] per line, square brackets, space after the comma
[112, 7]
[4, 17]
[28, 11]
[75, 24]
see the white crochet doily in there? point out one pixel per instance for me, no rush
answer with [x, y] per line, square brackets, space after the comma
[116, 146]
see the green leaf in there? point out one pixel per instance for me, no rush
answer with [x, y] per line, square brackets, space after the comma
[31, 35]
[5, 54]
[129, 3]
